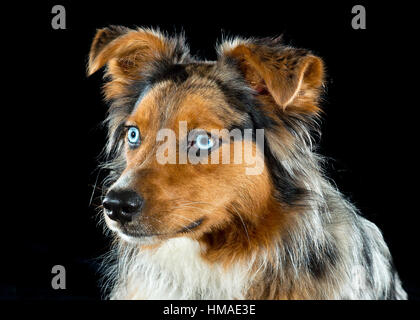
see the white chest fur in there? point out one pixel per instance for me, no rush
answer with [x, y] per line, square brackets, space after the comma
[176, 270]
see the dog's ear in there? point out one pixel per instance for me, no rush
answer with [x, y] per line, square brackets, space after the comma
[126, 52]
[102, 38]
[290, 77]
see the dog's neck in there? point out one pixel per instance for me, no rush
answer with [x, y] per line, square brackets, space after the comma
[176, 270]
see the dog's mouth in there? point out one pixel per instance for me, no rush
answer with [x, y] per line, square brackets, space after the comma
[192, 226]
[126, 231]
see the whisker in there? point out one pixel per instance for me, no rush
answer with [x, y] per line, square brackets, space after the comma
[95, 187]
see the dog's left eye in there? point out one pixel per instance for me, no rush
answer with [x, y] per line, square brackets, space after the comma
[133, 136]
[204, 142]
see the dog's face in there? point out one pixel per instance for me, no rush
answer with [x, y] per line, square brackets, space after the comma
[171, 121]
[178, 198]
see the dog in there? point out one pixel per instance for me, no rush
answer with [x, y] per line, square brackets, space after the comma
[206, 230]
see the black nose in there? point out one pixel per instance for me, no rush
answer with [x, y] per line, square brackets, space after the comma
[122, 205]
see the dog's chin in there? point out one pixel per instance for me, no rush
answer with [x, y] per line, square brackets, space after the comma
[138, 240]
[128, 237]
[142, 237]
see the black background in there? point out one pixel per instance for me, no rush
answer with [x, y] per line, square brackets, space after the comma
[369, 127]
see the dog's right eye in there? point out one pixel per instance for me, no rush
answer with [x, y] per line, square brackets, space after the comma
[133, 137]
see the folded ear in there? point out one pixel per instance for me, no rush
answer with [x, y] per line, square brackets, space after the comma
[291, 77]
[102, 38]
[127, 51]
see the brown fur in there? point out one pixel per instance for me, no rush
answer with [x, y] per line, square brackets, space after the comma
[240, 214]
[292, 77]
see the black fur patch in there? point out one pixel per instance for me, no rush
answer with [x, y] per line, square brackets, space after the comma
[164, 70]
[288, 189]
[321, 261]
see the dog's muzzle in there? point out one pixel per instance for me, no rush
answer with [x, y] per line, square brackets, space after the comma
[122, 205]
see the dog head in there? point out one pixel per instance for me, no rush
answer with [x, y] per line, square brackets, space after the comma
[176, 169]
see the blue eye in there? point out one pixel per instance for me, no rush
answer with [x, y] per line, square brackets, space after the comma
[204, 142]
[133, 136]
